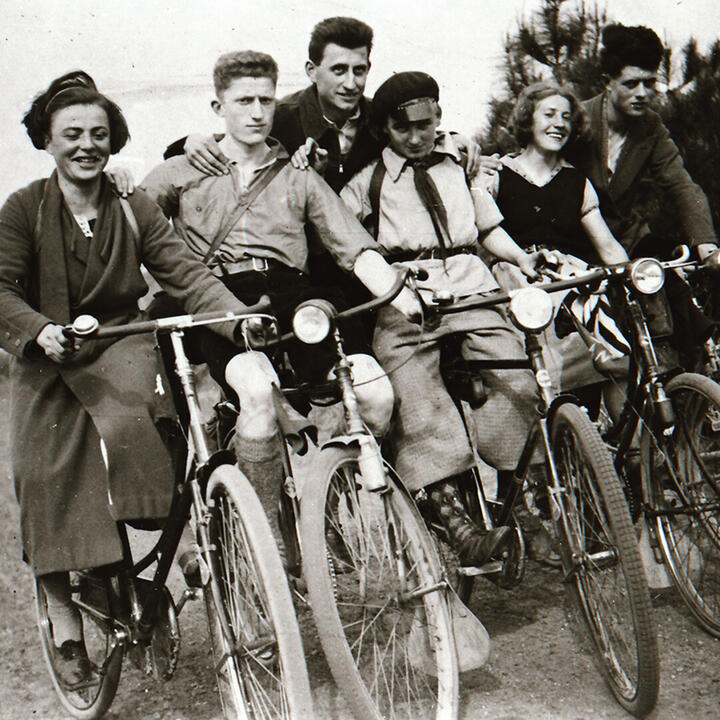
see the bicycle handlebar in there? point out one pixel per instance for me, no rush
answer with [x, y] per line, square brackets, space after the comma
[608, 272]
[87, 326]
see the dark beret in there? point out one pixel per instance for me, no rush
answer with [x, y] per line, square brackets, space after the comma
[401, 88]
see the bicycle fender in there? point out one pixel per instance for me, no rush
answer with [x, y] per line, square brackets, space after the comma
[561, 399]
[341, 441]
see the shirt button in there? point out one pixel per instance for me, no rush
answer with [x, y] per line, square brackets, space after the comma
[17, 343]
[7, 334]
[198, 209]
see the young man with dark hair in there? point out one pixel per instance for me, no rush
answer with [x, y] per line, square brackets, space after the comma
[249, 226]
[425, 213]
[631, 151]
[329, 118]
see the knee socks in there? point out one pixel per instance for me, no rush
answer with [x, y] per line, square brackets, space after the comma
[65, 617]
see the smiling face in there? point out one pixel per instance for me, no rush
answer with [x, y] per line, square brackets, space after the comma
[551, 123]
[248, 107]
[79, 140]
[632, 91]
[340, 78]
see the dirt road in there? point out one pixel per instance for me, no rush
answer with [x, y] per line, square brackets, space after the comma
[541, 666]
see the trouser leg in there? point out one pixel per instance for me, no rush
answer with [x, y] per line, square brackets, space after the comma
[428, 435]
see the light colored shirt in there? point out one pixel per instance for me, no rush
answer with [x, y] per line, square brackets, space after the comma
[404, 223]
[273, 227]
[615, 143]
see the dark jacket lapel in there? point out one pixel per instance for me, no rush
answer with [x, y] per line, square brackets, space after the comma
[50, 223]
[635, 152]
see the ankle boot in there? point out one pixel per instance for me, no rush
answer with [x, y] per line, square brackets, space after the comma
[474, 545]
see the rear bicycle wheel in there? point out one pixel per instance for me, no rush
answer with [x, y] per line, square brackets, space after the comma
[684, 480]
[601, 559]
[259, 659]
[92, 699]
[378, 595]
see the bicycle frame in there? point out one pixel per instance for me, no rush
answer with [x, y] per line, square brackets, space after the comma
[187, 499]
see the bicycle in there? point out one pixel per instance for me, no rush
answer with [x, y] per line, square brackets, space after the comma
[259, 659]
[678, 417]
[579, 493]
[383, 608]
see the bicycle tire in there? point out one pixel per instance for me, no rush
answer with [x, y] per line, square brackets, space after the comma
[600, 555]
[369, 633]
[93, 701]
[687, 524]
[259, 658]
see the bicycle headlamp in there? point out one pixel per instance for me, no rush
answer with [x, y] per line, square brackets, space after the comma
[647, 276]
[531, 309]
[312, 321]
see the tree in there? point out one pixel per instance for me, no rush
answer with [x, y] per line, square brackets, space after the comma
[692, 115]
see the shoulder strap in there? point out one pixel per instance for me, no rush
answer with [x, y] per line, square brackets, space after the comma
[240, 209]
[372, 221]
[130, 215]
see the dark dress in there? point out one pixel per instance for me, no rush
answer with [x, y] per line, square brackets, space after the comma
[548, 216]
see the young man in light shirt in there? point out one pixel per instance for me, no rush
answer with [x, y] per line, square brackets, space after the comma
[263, 250]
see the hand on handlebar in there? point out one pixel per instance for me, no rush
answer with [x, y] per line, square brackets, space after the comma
[56, 345]
[409, 304]
[543, 262]
[256, 332]
[711, 261]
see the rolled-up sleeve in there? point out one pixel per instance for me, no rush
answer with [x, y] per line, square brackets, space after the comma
[590, 199]
[487, 213]
[339, 230]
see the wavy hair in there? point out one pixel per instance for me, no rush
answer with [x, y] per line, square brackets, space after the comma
[521, 118]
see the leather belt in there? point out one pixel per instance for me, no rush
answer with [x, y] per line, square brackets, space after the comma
[248, 264]
[430, 254]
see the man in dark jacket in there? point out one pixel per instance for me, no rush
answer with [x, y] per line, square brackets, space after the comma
[328, 119]
[632, 158]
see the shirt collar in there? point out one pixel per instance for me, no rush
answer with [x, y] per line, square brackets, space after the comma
[511, 161]
[314, 123]
[274, 151]
[395, 164]
[352, 120]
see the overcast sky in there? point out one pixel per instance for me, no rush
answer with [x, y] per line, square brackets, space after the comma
[156, 47]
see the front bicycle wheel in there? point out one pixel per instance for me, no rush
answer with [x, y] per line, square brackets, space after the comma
[601, 558]
[92, 699]
[259, 659]
[378, 595]
[684, 481]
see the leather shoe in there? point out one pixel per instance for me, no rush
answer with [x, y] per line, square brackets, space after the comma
[72, 665]
[473, 544]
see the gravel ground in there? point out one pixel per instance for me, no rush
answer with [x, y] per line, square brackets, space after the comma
[541, 665]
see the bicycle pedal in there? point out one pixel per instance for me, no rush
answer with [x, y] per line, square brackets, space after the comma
[494, 566]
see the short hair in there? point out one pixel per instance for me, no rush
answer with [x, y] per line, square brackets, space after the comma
[521, 118]
[243, 63]
[346, 32]
[638, 46]
[73, 88]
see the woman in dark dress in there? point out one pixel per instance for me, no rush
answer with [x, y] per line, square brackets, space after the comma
[548, 203]
[85, 451]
